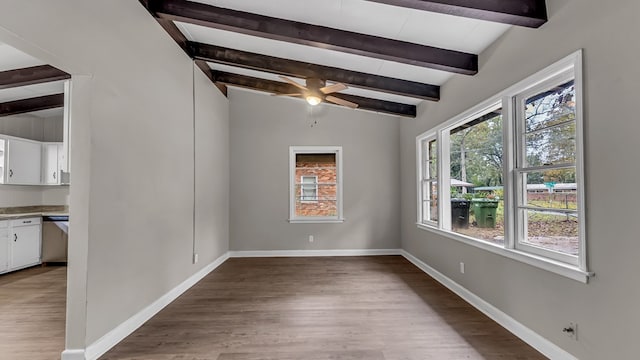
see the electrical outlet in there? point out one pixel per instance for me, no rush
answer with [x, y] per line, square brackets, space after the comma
[310, 238]
[571, 330]
[461, 268]
[195, 258]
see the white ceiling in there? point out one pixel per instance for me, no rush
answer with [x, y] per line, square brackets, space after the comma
[11, 59]
[367, 17]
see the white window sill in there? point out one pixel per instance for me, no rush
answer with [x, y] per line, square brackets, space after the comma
[540, 262]
[316, 221]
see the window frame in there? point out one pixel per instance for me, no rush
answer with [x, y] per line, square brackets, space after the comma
[521, 168]
[512, 151]
[295, 150]
[421, 153]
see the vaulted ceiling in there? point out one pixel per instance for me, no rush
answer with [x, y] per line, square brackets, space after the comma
[392, 54]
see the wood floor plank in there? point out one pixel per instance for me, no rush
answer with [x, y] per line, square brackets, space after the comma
[32, 313]
[344, 308]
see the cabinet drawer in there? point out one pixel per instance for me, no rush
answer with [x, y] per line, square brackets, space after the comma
[26, 221]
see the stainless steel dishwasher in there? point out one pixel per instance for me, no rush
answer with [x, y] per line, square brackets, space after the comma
[54, 239]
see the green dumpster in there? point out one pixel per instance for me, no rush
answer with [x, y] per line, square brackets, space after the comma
[485, 212]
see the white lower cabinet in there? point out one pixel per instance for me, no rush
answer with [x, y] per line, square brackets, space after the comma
[25, 243]
[4, 246]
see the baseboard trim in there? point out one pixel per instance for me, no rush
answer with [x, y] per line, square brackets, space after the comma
[527, 335]
[109, 340]
[311, 253]
[73, 354]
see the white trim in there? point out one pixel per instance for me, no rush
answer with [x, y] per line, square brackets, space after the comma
[541, 262]
[580, 156]
[113, 337]
[527, 335]
[73, 354]
[316, 220]
[421, 164]
[311, 253]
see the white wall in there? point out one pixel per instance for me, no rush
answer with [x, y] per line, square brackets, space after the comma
[262, 129]
[32, 127]
[212, 171]
[16, 195]
[606, 308]
[132, 155]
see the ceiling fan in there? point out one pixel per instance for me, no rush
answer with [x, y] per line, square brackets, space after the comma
[317, 91]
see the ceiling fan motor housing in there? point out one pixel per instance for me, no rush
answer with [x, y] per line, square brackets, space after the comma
[315, 83]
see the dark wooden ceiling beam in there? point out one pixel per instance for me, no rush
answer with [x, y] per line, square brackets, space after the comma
[529, 13]
[301, 69]
[277, 87]
[31, 104]
[30, 76]
[202, 65]
[314, 35]
[177, 36]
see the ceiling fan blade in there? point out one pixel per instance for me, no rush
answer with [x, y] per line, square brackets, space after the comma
[292, 82]
[333, 88]
[339, 101]
[294, 95]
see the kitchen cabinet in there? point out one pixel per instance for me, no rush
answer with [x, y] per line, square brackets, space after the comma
[52, 160]
[4, 246]
[22, 159]
[24, 242]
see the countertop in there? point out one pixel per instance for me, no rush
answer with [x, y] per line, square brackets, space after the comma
[30, 211]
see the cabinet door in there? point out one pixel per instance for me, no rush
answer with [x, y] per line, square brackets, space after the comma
[62, 159]
[4, 248]
[2, 160]
[23, 162]
[25, 246]
[50, 174]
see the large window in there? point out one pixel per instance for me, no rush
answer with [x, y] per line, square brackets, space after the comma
[315, 184]
[507, 175]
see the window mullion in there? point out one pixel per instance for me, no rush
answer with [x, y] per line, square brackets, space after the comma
[508, 163]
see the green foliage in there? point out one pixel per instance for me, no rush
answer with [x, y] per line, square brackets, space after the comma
[476, 153]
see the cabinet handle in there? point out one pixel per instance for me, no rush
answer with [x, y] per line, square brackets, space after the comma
[10, 173]
[26, 221]
[54, 175]
[15, 237]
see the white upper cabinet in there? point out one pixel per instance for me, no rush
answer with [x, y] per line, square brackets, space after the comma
[30, 162]
[52, 160]
[22, 162]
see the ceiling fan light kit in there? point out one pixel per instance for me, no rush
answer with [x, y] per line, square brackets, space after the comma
[317, 91]
[313, 100]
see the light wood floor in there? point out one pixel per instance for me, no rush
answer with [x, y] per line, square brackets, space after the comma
[32, 313]
[344, 308]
